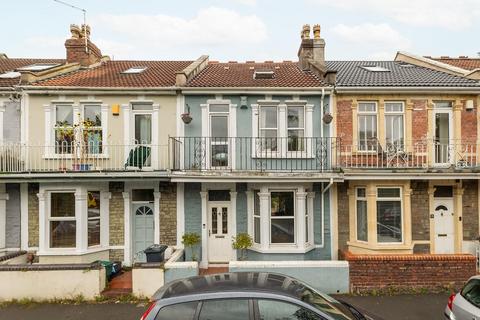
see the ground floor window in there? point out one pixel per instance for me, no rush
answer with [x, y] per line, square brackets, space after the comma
[389, 215]
[63, 225]
[361, 211]
[93, 201]
[282, 217]
[256, 217]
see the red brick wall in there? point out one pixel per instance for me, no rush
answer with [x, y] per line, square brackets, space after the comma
[419, 120]
[344, 121]
[469, 124]
[406, 272]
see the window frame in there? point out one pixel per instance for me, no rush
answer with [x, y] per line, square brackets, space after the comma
[357, 199]
[395, 113]
[293, 217]
[94, 128]
[99, 218]
[218, 141]
[402, 218]
[374, 114]
[51, 219]
[256, 216]
[56, 127]
[264, 151]
[303, 138]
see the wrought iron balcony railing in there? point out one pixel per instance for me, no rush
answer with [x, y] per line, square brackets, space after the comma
[292, 154]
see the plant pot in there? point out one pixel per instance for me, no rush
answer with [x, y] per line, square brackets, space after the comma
[186, 118]
[81, 167]
[327, 118]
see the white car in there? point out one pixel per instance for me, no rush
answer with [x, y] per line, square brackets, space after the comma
[465, 305]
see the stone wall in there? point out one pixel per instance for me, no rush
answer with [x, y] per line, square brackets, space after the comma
[407, 272]
[116, 214]
[470, 209]
[116, 255]
[168, 213]
[343, 216]
[33, 226]
[420, 210]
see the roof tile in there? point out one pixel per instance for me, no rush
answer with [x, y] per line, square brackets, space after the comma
[10, 64]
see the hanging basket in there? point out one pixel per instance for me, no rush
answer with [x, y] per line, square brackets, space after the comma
[186, 118]
[327, 118]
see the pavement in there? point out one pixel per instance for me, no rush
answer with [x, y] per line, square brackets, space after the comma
[404, 307]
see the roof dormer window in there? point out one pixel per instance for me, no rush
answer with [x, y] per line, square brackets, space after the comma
[135, 70]
[264, 74]
[10, 75]
[374, 68]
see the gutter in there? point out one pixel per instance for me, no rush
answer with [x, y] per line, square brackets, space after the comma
[453, 90]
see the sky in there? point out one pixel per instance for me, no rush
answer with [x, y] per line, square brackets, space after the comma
[241, 30]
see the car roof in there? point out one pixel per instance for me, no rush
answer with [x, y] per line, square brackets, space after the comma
[266, 282]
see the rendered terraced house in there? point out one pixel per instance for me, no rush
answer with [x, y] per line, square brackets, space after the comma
[92, 165]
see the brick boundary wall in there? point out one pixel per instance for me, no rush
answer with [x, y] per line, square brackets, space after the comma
[409, 272]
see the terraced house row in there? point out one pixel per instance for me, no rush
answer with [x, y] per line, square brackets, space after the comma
[334, 168]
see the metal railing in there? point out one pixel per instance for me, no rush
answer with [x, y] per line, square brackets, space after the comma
[420, 154]
[70, 157]
[292, 154]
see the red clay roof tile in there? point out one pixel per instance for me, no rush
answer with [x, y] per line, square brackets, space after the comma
[10, 64]
[461, 62]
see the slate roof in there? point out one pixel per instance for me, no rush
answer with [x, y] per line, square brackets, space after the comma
[10, 64]
[110, 74]
[351, 74]
[461, 62]
[233, 74]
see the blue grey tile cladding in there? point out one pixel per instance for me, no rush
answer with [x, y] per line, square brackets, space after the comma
[13, 216]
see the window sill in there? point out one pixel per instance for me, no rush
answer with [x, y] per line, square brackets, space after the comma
[70, 252]
[283, 249]
[364, 247]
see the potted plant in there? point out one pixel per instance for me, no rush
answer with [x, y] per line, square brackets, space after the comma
[327, 118]
[186, 117]
[191, 240]
[242, 242]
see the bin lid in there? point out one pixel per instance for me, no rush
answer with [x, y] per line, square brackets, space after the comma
[156, 248]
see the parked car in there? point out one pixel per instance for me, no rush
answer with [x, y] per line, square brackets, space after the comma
[243, 296]
[465, 305]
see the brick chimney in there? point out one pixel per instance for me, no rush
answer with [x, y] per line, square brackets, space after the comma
[79, 47]
[311, 53]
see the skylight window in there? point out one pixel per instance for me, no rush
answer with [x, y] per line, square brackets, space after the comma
[39, 66]
[375, 69]
[134, 70]
[263, 74]
[10, 75]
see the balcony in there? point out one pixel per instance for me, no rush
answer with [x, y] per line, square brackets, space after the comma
[74, 158]
[420, 154]
[252, 154]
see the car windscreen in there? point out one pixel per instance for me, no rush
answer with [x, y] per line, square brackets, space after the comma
[471, 292]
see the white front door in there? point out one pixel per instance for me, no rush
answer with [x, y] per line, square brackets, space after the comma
[219, 233]
[444, 226]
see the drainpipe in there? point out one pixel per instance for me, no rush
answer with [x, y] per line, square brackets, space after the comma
[323, 111]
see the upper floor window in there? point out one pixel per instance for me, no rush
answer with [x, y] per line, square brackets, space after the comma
[394, 124]
[268, 127]
[367, 126]
[296, 128]
[63, 130]
[92, 128]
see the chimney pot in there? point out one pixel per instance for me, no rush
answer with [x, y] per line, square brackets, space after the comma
[316, 31]
[75, 31]
[306, 31]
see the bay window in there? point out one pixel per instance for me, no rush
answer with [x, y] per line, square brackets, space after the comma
[256, 217]
[389, 215]
[361, 214]
[62, 222]
[93, 213]
[282, 217]
[367, 126]
[394, 124]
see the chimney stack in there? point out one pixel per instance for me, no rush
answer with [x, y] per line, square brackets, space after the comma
[79, 47]
[311, 54]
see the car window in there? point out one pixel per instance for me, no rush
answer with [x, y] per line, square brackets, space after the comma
[180, 311]
[232, 309]
[279, 310]
[471, 292]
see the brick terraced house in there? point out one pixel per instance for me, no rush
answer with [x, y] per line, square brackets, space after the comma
[351, 175]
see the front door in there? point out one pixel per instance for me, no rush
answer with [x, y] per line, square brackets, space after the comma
[443, 135]
[444, 228]
[143, 229]
[219, 233]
